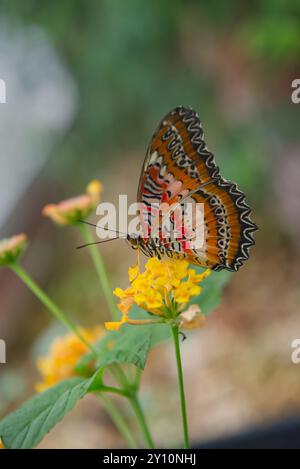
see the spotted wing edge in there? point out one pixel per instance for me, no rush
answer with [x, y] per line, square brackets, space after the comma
[194, 127]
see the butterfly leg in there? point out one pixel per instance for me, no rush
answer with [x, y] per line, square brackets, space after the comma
[139, 260]
[183, 336]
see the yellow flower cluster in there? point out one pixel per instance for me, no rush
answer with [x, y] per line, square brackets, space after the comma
[71, 211]
[63, 356]
[1, 444]
[163, 286]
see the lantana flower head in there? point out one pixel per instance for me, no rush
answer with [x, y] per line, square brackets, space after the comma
[71, 211]
[164, 290]
[12, 248]
[63, 356]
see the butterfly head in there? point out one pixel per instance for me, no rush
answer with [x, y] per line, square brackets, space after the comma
[134, 240]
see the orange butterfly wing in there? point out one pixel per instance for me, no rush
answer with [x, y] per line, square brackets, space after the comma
[178, 168]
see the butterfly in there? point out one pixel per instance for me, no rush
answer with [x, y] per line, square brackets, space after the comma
[179, 168]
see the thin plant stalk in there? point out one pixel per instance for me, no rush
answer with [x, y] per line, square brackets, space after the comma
[136, 406]
[107, 290]
[104, 280]
[119, 421]
[48, 303]
[175, 332]
[101, 271]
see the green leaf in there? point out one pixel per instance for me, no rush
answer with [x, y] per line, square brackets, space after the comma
[159, 332]
[129, 345]
[26, 427]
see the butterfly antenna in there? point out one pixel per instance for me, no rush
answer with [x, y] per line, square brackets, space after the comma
[106, 229]
[96, 242]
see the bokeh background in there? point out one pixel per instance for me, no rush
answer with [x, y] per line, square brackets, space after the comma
[87, 82]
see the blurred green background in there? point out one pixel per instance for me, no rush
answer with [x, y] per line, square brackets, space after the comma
[87, 82]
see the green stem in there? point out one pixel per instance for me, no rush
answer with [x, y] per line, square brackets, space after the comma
[119, 421]
[138, 377]
[175, 331]
[136, 406]
[120, 392]
[130, 391]
[48, 303]
[101, 271]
